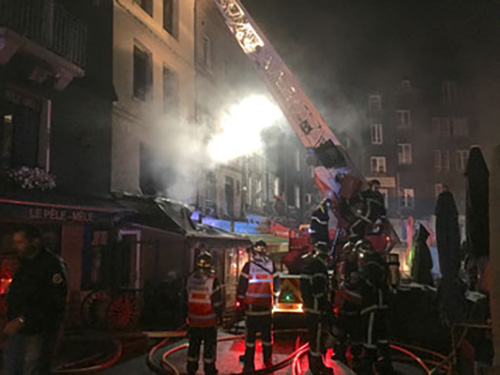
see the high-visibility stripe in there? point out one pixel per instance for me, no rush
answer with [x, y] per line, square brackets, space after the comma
[256, 281]
[259, 295]
[245, 275]
[192, 359]
[319, 221]
[208, 361]
[318, 295]
[201, 301]
[315, 354]
[258, 313]
[202, 317]
[266, 343]
[250, 344]
[370, 328]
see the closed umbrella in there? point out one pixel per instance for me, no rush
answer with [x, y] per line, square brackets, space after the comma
[451, 291]
[477, 204]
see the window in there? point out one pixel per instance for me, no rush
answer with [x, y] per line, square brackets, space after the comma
[170, 90]
[460, 127]
[375, 102]
[297, 196]
[297, 160]
[229, 196]
[436, 126]
[406, 85]
[143, 74]
[258, 194]
[250, 191]
[169, 13]
[438, 189]
[407, 198]
[146, 5]
[308, 199]
[449, 91]
[404, 153]
[378, 164]
[277, 186]
[445, 127]
[207, 52]
[148, 180]
[404, 118]
[445, 160]
[311, 172]
[377, 134]
[438, 164]
[462, 157]
[385, 194]
[21, 132]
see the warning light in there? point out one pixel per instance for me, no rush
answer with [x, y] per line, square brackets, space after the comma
[238, 304]
[288, 297]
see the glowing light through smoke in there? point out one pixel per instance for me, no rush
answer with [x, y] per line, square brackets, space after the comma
[241, 128]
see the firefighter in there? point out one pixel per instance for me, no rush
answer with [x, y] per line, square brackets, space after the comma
[36, 300]
[257, 285]
[374, 304]
[204, 312]
[314, 287]
[319, 223]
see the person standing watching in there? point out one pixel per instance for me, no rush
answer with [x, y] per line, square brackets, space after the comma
[36, 301]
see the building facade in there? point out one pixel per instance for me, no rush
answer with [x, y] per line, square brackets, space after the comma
[416, 142]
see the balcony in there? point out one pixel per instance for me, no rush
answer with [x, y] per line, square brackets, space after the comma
[44, 30]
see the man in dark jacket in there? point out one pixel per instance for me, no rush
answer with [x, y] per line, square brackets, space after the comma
[314, 286]
[204, 312]
[257, 284]
[35, 305]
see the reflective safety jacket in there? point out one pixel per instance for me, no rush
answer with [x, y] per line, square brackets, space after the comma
[257, 285]
[204, 301]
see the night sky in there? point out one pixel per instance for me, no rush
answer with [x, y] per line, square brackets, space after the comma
[345, 47]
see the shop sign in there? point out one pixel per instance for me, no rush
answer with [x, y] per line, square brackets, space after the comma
[58, 214]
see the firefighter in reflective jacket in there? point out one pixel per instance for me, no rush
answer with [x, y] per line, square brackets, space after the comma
[319, 223]
[314, 287]
[257, 284]
[374, 304]
[204, 312]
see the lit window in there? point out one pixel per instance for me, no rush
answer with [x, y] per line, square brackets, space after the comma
[408, 198]
[276, 186]
[378, 164]
[404, 118]
[297, 196]
[377, 134]
[375, 102]
[462, 157]
[404, 153]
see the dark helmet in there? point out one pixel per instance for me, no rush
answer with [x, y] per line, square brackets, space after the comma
[204, 261]
[349, 250]
[372, 266]
[260, 247]
[364, 246]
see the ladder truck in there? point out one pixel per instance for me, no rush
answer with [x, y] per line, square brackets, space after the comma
[335, 174]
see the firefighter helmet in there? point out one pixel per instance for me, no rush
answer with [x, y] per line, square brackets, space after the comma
[372, 266]
[204, 261]
[260, 248]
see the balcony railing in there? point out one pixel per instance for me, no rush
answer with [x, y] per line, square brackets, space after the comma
[47, 24]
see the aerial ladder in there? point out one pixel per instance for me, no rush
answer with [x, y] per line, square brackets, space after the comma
[335, 173]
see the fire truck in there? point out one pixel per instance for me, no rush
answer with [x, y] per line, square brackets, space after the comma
[335, 175]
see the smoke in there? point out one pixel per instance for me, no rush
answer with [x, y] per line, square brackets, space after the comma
[187, 150]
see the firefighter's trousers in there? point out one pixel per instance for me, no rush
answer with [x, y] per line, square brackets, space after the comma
[207, 336]
[376, 358]
[316, 337]
[254, 324]
[350, 324]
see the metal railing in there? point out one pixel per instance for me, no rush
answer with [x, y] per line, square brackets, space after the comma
[47, 24]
